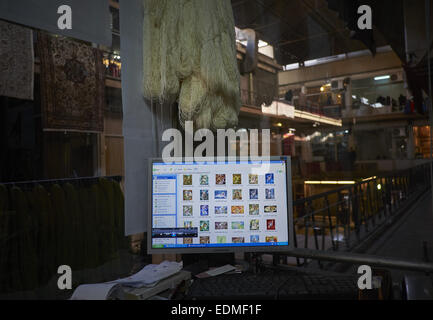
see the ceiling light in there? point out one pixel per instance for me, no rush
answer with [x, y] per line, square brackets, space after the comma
[382, 77]
[263, 44]
[330, 182]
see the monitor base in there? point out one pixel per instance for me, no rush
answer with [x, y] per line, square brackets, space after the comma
[198, 263]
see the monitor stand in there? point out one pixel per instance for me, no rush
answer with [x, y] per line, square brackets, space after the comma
[198, 263]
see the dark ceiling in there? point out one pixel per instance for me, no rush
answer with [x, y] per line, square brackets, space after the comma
[299, 30]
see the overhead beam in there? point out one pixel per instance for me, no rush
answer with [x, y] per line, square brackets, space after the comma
[342, 68]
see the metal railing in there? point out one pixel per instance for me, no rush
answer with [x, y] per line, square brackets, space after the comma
[347, 218]
[330, 111]
[255, 100]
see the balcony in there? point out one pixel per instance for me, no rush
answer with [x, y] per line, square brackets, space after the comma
[266, 105]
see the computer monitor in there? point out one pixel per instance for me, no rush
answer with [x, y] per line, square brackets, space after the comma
[216, 207]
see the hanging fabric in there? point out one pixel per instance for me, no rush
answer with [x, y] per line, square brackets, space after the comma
[72, 85]
[16, 61]
[189, 52]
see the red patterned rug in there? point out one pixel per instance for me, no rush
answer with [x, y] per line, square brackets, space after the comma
[72, 84]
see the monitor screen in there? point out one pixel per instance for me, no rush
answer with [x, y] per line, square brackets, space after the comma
[220, 206]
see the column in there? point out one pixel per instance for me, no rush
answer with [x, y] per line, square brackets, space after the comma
[410, 142]
[348, 99]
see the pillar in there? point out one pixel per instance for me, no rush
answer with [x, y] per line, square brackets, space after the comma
[348, 99]
[410, 142]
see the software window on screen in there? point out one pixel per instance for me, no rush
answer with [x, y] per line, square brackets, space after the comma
[218, 205]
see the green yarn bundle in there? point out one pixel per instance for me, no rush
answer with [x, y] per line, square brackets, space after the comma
[80, 225]
[73, 221]
[46, 228]
[26, 258]
[4, 235]
[119, 215]
[90, 203]
[58, 201]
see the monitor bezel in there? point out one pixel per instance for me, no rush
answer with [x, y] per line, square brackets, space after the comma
[231, 249]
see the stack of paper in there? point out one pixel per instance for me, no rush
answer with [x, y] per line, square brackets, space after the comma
[149, 276]
[98, 291]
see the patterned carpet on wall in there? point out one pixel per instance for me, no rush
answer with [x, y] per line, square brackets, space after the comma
[16, 61]
[72, 84]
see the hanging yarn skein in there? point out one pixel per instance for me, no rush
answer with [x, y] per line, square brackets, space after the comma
[189, 57]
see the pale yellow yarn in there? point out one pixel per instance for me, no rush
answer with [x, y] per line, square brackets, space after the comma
[190, 57]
